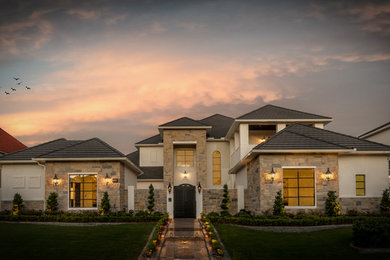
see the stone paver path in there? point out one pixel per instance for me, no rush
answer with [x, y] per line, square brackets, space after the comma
[184, 240]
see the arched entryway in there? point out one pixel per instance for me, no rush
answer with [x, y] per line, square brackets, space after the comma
[184, 201]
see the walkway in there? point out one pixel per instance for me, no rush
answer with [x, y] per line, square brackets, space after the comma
[184, 240]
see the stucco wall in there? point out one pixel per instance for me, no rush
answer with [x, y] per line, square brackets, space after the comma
[130, 178]
[375, 167]
[381, 137]
[241, 178]
[223, 148]
[151, 156]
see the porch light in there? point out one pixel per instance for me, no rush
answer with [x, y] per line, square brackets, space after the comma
[328, 175]
[169, 187]
[107, 179]
[56, 181]
[199, 188]
[271, 176]
[185, 174]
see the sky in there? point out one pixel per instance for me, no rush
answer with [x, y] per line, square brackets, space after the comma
[118, 69]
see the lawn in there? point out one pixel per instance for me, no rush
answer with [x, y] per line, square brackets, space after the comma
[35, 241]
[243, 243]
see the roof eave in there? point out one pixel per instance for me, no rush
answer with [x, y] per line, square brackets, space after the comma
[304, 151]
[374, 132]
[16, 161]
[149, 145]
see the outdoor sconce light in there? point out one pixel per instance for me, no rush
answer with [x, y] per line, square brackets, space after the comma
[56, 181]
[169, 188]
[199, 188]
[328, 175]
[185, 175]
[271, 176]
[107, 179]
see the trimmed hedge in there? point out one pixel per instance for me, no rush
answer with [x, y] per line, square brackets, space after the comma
[156, 237]
[372, 233]
[291, 221]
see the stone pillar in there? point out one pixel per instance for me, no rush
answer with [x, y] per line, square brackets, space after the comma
[240, 198]
[130, 198]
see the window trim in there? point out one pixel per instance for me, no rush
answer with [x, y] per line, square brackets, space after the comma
[220, 168]
[97, 189]
[315, 186]
[365, 185]
[193, 157]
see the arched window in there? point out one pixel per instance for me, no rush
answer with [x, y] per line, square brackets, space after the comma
[216, 168]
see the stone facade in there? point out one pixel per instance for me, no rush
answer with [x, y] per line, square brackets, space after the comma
[116, 191]
[28, 205]
[361, 205]
[252, 193]
[141, 200]
[212, 199]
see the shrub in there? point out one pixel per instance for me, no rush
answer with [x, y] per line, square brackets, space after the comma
[278, 205]
[372, 233]
[225, 202]
[105, 204]
[244, 214]
[17, 204]
[52, 203]
[385, 202]
[151, 199]
[332, 208]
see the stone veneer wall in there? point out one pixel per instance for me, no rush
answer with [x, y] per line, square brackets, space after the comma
[212, 199]
[115, 191]
[169, 136]
[28, 204]
[252, 193]
[141, 200]
[362, 205]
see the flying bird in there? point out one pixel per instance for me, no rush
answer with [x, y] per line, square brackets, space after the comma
[19, 83]
[13, 89]
[28, 87]
[7, 93]
[16, 78]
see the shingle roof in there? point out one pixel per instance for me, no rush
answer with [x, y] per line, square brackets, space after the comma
[149, 173]
[220, 125]
[275, 112]
[35, 151]
[8, 143]
[303, 137]
[92, 148]
[375, 130]
[155, 139]
[183, 121]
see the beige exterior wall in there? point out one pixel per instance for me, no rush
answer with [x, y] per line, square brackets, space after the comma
[381, 137]
[151, 156]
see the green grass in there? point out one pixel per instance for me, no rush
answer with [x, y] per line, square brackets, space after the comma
[35, 241]
[243, 243]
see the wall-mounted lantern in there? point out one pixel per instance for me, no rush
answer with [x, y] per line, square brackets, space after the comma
[107, 179]
[328, 175]
[199, 187]
[169, 188]
[271, 176]
[185, 175]
[56, 181]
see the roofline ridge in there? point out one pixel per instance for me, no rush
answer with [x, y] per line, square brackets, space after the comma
[373, 130]
[197, 121]
[216, 115]
[112, 148]
[59, 149]
[273, 136]
[147, 138]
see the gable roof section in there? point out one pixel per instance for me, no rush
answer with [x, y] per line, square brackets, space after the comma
[220, 125]
[150, 172]
[275, 112]
[303, 137]
[38, 150]
[184, 122]
[155, 139]
[375, 130]
[8, 143]
[92, 148]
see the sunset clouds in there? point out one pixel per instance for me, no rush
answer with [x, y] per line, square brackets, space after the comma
[118, 70]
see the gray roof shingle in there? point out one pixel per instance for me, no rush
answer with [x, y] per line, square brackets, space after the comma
[303, 137]
[183, 121]
[36, 151]
[220, 125]
[149, 173]
[155, 139]
[275, 112]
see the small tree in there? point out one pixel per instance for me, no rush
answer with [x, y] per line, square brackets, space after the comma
[52, 203]
[105, 204]
[332, 208]
[17, 204]
[225, 201]
[385, 202]
[151, 199]
[278, 205]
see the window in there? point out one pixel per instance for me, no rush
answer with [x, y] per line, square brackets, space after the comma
[185, 158]
[360, 185]
[216, 168]
[82, 191]
[298, 187]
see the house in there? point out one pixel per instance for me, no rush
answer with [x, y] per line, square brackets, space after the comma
[79, 171]
[9, 144]
[189, 161]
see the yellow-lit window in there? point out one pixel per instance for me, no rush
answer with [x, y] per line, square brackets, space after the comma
[82, 191]
[185, 158]
[360, 185]
[298, 187]
[216, 168]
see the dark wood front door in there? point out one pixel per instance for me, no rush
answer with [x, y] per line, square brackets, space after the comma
[184, 201]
